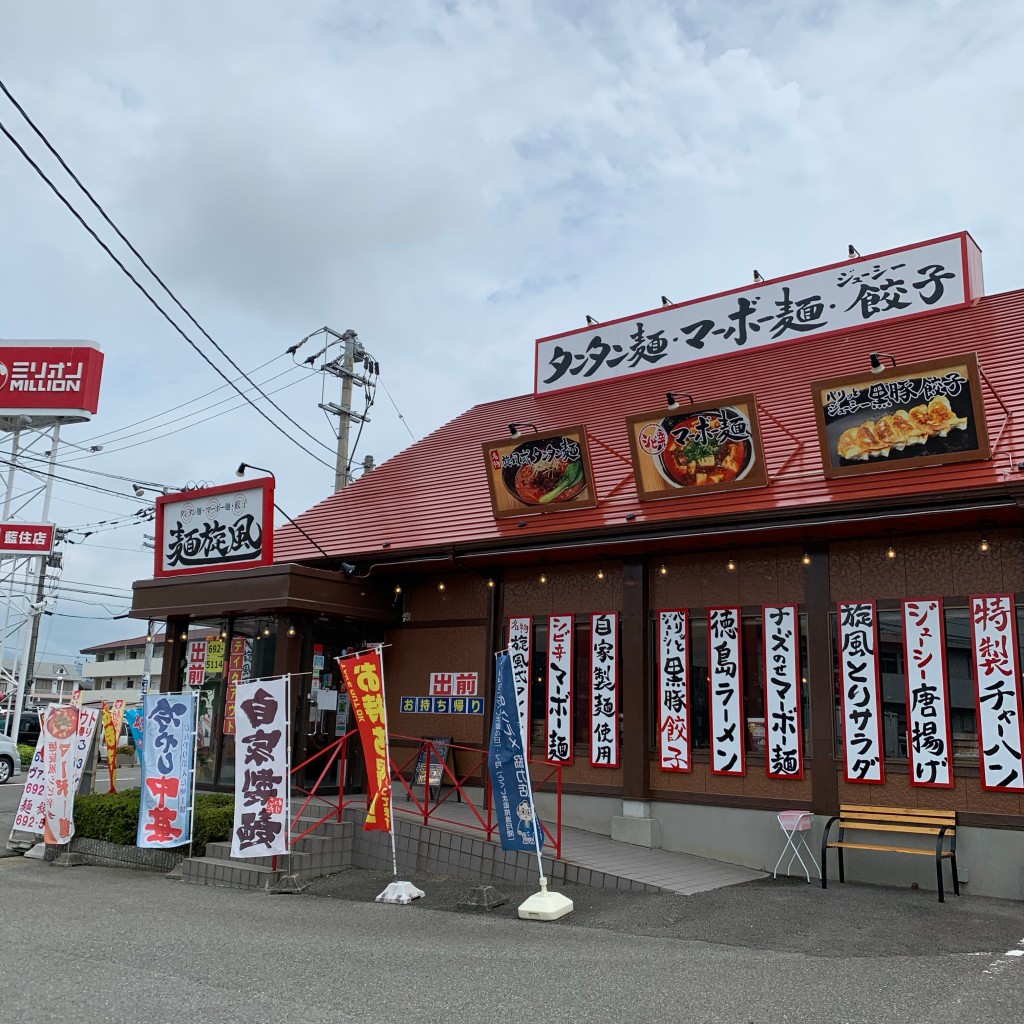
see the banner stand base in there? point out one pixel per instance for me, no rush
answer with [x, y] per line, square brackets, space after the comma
[400, 892]
[70, 860]
[288, 885]
[544, 905]
[37, 852]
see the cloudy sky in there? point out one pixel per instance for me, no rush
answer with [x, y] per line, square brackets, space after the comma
[451, 180]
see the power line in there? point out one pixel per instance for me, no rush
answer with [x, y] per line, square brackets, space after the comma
[156, 305]
[392, 401]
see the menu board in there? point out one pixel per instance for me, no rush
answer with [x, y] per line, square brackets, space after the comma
[927, 413]
[695, 449]
[540, 473]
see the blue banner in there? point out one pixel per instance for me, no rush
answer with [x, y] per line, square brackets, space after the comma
[133, 716]
[169, 736]
[506, 763]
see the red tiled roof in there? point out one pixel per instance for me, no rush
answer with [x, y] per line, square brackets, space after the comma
[433, 497]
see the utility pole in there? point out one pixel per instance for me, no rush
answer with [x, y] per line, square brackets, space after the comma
[344, 367]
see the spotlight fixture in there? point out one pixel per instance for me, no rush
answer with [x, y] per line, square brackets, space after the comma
[662, 570]
[292, 630]
[591, 320]
[731, 565]
[441, 587]
[600, 574]
[347, 568]
[543, 577]
[877, 366]
[515, 428]
[757, 278]
[852, 252]
[243, 466]
[630, 516]
[806, 559]
[672, 397]
[666, 301]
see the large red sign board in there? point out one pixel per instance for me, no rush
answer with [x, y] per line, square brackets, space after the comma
[26, 538]
[59, 379]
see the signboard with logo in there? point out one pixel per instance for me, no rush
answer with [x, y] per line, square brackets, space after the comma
[26, 538]
[213, 528]
[944, 273]
[540, 473]
[711, 446]
[922, 414]
[57, 380]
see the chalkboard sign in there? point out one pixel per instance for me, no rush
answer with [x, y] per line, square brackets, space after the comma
[438, 759]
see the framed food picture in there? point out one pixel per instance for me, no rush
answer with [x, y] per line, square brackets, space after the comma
[540, 473]
[901, 417]
[697, 448]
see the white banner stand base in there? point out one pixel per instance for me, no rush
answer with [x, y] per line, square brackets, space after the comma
[37, 852]
[400, 892]
[544, 905]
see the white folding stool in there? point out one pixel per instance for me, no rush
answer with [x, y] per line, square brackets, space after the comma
[794, 824]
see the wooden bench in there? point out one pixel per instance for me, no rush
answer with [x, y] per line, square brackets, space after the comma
[862, 821]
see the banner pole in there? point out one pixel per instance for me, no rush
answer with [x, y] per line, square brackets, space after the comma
[195, 757]
[387, 759]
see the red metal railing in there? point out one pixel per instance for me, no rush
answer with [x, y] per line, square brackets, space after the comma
[426, 805]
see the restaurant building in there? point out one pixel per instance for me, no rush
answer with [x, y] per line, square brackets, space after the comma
[755, 552]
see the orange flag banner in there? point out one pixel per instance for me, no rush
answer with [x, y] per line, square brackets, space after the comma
[364, 681]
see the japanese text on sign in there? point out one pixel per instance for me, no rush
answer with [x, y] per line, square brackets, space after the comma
[858, 673]
[453, 684]
[726, 682]
[997, 677]
[674, 691]
[165, 812]
[784, 739]
[604, 690]
[864, 291]
[931, 761]
[520, 651]
[558, 727]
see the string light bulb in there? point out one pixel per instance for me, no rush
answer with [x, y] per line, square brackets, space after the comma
[731, 565]
[291, 630]
[890, 553]
[266, 630]
[490, 583]
[183, 635]
[398, 590]
[600, 574]
[440, 586]
[663, 570]
[806, 559]
[984, 547]
[543, 577]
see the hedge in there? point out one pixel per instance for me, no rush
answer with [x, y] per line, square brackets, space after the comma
[114, 818]
[26, 753]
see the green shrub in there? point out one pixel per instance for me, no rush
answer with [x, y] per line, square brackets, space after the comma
[27, 754]
[114, 818]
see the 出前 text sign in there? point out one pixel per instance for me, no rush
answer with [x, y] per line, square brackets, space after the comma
[941, 274]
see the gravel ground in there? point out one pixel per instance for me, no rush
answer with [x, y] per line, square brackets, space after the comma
[784, 915]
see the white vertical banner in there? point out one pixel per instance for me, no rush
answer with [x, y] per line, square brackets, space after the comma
[262, 805]
[924, 648]
[31, 811]
[604, 690]
[674, 691]
[558, 720]
[725, 680]
[863, 754]
[520, 651]
[997, 678]
[66, 735]
[782, 711]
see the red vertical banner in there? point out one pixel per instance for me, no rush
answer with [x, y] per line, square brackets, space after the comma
[364, 681]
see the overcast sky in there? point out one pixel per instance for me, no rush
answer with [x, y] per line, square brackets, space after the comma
[452, 180]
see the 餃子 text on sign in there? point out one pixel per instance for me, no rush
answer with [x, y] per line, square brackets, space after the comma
[673, 690]
[214, 528]
[944, 273]
[168, 744]
[364, 681]
[262, 805]
[923, 414]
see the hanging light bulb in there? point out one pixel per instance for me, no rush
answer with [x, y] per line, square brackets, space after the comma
[600, 574]
[183, 635]
[291, 630]
[806, 559]
[663, 569]
[490, 584]
[398, 590]
[543, 577]
[266, 629]
[984, 546]
[440, 587]
[731, 565]
[890, 552]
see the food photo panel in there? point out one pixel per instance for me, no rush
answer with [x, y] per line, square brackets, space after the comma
[547, 472]
[697, 448]
[926, 413]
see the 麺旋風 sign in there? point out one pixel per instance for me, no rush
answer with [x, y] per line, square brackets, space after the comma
[540, 473]
[26, 538]
[944, 273]
[225, 527]
[924, 414]
[55, 380]
[713, 446]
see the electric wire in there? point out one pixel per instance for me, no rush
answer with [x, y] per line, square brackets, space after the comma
[156, 305]
[103, 213]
